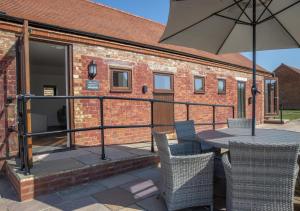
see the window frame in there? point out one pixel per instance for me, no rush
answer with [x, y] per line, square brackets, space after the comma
[203, 82]
[225, 86]
[171, 75]
[120, 89]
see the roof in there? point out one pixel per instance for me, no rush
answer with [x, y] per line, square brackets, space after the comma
[87, 16]
[289, 67]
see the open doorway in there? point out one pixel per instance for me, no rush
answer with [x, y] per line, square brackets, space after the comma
[48, 77]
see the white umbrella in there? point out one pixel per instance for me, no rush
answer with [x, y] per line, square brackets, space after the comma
[227, 26]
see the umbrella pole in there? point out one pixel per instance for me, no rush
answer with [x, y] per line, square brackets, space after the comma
[254, 88]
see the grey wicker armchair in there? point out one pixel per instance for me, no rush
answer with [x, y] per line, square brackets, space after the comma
[187, 177]
[185, 132]
[239, 123]
[260, 177]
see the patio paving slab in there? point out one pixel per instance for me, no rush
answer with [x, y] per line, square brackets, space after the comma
[115, 198]
[52, 198]
[82, 204]
[29, 206]
[148, 173]
[141, 189]
[118, 180]
[60, 155]
[42, 168]
[89, 159]
[79, 191]
[133, 207]
[153, 204]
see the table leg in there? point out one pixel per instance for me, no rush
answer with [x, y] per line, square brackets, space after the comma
[219, 175]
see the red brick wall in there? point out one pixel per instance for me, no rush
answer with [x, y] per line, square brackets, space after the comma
[143, 66]
[121, 112]
[8, 140]
[289, 84]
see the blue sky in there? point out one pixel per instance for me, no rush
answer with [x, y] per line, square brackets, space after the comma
[157, 10]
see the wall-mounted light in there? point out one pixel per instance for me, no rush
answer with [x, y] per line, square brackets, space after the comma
[92, 70]
[144, 89]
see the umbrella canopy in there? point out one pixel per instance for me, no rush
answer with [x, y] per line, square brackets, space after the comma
[227, 26]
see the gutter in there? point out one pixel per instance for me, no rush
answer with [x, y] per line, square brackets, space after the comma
[12, 19]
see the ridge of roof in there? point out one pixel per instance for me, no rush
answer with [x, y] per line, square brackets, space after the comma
[295, 69]
[262, 68]
[84, 16]
[122, 11]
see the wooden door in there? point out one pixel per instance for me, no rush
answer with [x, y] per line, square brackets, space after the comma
[24, 82]
[164, 112]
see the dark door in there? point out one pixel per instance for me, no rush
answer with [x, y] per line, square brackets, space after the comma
[163, 112]
[271, 97]
[241, 92]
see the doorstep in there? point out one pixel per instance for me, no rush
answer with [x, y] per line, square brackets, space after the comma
[53, 172]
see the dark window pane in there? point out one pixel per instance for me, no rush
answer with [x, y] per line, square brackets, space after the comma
[221, 86]
[120, 79]
[199, 84]
[162, 82]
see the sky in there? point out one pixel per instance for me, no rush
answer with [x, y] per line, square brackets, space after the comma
[158, 10]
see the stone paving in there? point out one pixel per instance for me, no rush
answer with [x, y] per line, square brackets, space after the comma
[132, 191]
[291, 126]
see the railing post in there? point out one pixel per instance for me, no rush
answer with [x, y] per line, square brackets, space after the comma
[152, 126]
[102, 128]
[214, 117]
[187, 112]
[20, 126]
[25, 137]
[281, 115]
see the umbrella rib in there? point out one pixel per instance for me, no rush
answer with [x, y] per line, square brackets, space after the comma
[190, 26]
[279, 22]
[263, 12]
[233, 28]
[243, 10]
[278, 12]
[233, 19]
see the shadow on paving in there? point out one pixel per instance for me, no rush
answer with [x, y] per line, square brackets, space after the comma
[135, 190]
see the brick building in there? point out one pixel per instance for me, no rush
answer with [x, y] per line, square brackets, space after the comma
[47, 47]
[289, 83]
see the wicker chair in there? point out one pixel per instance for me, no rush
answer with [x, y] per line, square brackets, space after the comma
[185, 132]
[187, 177]
[239, 123]
[260, 177]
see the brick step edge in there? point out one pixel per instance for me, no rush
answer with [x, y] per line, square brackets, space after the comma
[29, 189]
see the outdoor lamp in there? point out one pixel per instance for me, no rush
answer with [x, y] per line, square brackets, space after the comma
[92, 70]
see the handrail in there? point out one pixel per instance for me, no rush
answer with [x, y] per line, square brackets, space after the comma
[119, 98]
[24, 134]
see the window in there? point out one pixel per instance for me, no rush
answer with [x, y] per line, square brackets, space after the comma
[49, 90]
[221, 86]
[121, 80]
[199, 84]
[163, 82]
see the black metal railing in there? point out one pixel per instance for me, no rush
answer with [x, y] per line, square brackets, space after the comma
[24, 134]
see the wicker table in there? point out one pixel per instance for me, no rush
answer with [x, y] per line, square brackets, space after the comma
[221, 139]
